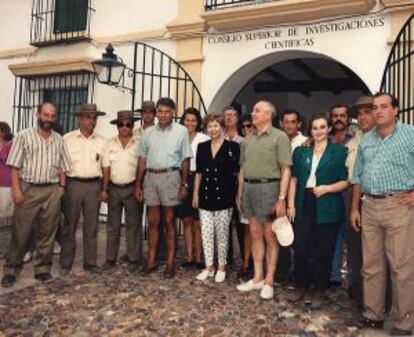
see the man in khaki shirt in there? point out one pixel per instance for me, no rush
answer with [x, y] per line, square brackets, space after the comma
[148, 112]
[83, 189]
[120, 162]
[265, 160]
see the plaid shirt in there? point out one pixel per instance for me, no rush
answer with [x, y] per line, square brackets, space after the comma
[386, 166]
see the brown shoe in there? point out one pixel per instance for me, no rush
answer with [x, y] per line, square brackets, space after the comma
[169, 272]
[149, 269]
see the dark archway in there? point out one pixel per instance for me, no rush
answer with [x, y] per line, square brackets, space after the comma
[309, 85]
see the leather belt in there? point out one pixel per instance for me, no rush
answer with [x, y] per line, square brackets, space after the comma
[84, 180]
[261, 181]
[378, 196]
[132, 183]
[157, 171]
[42, 184]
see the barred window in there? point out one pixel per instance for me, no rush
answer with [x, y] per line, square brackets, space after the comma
[67, 90]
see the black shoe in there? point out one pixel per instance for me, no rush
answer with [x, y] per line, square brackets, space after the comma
[8, 281]
[199, 265]
[399, 332]
[187, 265]
[44, 277]
[169, 272]
[371, 323]
[124, 259]
[335, 284]
[92, 269]
[109, 264]
[133, 266]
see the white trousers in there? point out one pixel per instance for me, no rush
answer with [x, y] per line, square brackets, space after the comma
[215, 224]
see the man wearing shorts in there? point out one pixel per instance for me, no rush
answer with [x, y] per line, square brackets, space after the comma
[164, 153]
[262, 192]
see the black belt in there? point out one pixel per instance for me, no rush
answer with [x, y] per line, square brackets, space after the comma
[42, 184]
[85, 180]
[261, 181]
[379, 196]
[157, 171]
[132, 183]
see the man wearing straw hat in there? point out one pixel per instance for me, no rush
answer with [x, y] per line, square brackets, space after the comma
[120, 162]
[83, 189]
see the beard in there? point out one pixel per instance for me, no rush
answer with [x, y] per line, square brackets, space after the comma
[45, 125]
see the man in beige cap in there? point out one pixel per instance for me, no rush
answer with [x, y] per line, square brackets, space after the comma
[120, 162]
[83, 189]
[148, 112]
[362, 111]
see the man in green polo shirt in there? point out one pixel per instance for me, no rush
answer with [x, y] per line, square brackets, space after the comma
[265, 160]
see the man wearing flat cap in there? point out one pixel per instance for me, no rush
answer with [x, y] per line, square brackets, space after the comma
[120, 162]
[83, 189]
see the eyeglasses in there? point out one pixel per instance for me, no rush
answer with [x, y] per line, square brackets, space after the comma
[247, 126]
[128, 125]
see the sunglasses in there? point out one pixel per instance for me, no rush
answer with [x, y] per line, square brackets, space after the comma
[246, 126]
[128, 125]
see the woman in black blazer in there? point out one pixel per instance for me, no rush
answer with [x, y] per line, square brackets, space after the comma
[217, 163]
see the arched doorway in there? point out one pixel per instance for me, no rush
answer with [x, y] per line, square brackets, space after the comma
[305, 81]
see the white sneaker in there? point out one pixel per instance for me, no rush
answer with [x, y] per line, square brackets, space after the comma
[220, 276]
[250, 285]
[205, 274]
[27, 257]
[56, 248]
[267, 292]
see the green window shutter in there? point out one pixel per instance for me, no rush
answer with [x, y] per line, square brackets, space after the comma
[70, 15]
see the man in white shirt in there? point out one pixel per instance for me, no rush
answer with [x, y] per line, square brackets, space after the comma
[120, 162]
[290, 122]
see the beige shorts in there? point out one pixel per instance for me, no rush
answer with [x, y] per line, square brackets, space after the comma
[162, 188]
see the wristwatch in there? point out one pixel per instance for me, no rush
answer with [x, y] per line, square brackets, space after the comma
[281, 197]
[184, 185]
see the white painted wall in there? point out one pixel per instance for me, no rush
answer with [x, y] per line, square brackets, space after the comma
[228, 66]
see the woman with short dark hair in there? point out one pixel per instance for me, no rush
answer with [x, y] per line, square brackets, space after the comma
[214, 194]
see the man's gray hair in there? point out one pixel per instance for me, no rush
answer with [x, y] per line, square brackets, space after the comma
[270, 107]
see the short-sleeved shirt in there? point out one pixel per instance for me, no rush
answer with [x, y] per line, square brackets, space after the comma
[123, 161]
[217, 187]
[386, 166]
[263, 155]
[165, 148]
[39, 160]
[85, 153]
[298, 140]
[199, 138]
[352, 147]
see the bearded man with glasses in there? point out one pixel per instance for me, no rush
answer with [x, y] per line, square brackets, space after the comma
[120, 162]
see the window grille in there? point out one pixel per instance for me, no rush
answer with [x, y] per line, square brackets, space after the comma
[55, 21]
[67, 90]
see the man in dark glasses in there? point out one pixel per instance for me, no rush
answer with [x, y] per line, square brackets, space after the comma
[120, 162]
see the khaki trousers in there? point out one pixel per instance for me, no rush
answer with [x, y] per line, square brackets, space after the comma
[41, 203]
[388, 234]
[80, 197]
[119, 199]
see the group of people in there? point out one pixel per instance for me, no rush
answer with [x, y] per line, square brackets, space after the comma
[338, 176]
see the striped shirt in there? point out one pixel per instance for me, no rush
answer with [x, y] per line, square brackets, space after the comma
[39, 160]
[386, 166]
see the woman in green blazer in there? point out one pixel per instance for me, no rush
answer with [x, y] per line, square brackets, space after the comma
[316, 207]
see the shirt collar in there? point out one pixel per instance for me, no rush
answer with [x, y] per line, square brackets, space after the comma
[131, 141]
[377, 136]
[79, 134]
[168, 128]
[266, 131]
